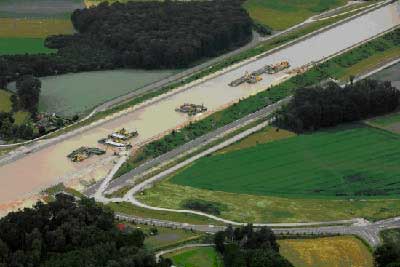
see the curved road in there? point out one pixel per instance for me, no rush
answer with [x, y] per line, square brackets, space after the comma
[154, 118]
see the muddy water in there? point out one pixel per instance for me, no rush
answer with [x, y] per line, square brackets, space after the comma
[50, 165]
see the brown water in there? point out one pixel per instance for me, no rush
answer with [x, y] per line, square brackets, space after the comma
[48, 166]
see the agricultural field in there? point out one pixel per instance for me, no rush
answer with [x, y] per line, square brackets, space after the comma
[328, 153]
[196, 257]
[280, 15]
[73, 93]
[351, 161]
[339, 251]
[38, 8]
[5, 102]
[24, 24]
[33, 28]
[14, 46]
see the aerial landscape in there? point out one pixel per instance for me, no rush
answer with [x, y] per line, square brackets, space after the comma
[240, 133]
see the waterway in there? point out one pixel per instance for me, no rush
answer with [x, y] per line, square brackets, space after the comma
[48, 166]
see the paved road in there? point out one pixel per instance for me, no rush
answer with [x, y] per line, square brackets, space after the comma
[368, 232]
[51, 166]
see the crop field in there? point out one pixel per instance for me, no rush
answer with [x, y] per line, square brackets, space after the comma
[5, 102]
[352, 161]
[196, 257]
[38, 8]
[10, 46]
[339, 251]
[280, 15]
[33, 28]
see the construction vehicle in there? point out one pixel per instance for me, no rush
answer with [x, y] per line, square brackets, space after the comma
[123, 134]
[278, 67]
[255, 77]
[83, 153]
[119, 138]
[191, 109]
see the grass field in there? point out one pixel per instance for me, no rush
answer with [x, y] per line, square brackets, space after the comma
[369, 64]
[280, 15]
[10, 46]
[340, 251]
[128, 208]
[166, 237]
[266, 135]
[196, 257]
[262, 209]
[5, 102]
[350, 161]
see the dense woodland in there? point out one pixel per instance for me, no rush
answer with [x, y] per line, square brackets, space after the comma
[138, 35]
[317, 107]
[69, 233]
[246, 247]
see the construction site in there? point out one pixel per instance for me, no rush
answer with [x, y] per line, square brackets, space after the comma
[119, 139]
[191, 109]
[255, 76]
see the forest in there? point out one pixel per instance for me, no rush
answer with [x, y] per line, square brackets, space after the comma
[151, 35]
[67, 232]
[247, 247]
[313, 108]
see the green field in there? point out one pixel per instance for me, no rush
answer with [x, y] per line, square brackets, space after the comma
[10, 46]
[196, 257]
[350, 161]
[280, 15]
[5, 102]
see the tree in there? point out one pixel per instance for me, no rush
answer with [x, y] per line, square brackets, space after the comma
[28, 91]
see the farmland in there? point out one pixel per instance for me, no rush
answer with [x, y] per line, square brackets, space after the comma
[196, 257]
[24, 24]
[9, 46]
[280, 15]
[350, 161]
[288, 206]
[340, 251]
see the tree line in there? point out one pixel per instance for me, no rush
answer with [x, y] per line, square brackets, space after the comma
[72, 233]
[313, 108]
[247, 247]
[152, 35]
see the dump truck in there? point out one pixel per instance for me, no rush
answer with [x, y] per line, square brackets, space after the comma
[83, 153]
[191, 109]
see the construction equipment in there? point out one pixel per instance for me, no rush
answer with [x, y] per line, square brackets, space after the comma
[83, 153]
[191, 109]
[255, 77]
[278, 67]
[119, 138]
